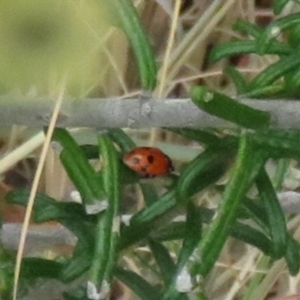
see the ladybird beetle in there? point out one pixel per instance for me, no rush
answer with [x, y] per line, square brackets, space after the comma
[148, 161]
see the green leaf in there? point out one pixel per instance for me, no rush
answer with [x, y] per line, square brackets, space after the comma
[163, 259]
[251, 236]
[276, 219]
[247, 166]
[231, 48]
[20, 197]
[134, 233]
[279, 176]
[33, 267]
[78, 264]
[239, 81]
[192, 235]
[292, 83]
[279, 5]
[90, 151]
[270, 91]
[141, 222]
[119, 137]
[81, 179]
[294, 36]
[149, 194]
[204, 170]
[47, 209]
[279, 143]
[229, 109]
[156, 209]
[177, 230]
[170, 232]
[274, 29]
[245, 47]
[78, 168]
[248, 28]
[137, 284]
[275, 71]
[292, 256]
[125, 13]
[108, 227]
[257, 213]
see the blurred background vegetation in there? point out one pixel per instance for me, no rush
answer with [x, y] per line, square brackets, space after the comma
[84, 47]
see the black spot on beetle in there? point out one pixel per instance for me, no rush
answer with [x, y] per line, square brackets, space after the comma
[150, 159]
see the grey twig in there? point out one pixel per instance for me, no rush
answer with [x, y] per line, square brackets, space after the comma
[40, 238]
[134, 113]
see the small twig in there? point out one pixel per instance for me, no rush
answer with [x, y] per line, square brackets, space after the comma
[43, 237]
[118, 113]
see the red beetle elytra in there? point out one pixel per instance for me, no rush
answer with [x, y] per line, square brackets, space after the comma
[148, 161]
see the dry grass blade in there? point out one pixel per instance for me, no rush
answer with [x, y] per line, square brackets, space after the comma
[33, 191]
[163, 73]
